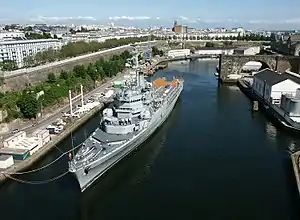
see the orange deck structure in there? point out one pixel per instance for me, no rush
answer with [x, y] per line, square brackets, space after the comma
[164, 82]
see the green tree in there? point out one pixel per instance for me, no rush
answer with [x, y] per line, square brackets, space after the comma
[239, 37]
[63, 75]
[8, 65]
[92, 72]
[80, 71]
[28, 61]
[24, 104]
[227, 43]
[273, 37]
[209, 44]
[28, 105]
[51, 78]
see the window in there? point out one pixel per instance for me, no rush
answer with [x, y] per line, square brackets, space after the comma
[276, 101]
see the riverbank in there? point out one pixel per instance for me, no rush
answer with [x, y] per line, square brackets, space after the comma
[73, 126]
[55, 140]
[277, 120]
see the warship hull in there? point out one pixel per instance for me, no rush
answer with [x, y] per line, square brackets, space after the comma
[98, 168]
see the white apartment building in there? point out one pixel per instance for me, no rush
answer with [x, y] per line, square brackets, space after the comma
[8, 35]
[18, 50]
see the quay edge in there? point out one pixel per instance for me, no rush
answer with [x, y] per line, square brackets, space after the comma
[295, 161]
[276, 120]
[26, 164]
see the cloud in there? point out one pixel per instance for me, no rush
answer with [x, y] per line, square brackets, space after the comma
[130, 18]
[208, 21]
[286, 21]
[51, 19]
[292, 21]
[184, 18]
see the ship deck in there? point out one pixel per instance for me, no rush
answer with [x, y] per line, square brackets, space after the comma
[102, 136]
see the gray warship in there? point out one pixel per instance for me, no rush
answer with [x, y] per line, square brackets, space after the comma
[138, 109]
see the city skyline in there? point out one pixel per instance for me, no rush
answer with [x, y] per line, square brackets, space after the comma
[194, 13]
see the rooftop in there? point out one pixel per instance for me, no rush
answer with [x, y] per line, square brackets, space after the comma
[291, 77]
[4, 157]
[269, 76]
[6, 150]
[242, 48]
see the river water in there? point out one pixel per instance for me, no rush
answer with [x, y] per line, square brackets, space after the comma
[212, 159]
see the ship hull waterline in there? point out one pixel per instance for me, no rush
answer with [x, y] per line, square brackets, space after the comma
[86, 180]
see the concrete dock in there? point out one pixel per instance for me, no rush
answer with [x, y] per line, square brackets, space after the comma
[26, 164]
[295, 160]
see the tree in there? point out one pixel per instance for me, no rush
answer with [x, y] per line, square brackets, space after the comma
[227, 43]
[72, 31]
[272, 37]
[24, 104]
[51, 78]
[28, 105]
[198, 37]
[63, 75]
[28, 61]
[239, 37]
[92, 72]
[8, 65]
[80, 71]
[209, 44]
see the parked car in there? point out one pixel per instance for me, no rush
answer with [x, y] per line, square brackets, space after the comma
[15, 131]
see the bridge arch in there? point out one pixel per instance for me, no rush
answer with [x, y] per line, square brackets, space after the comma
[233, 64]
[253, 65]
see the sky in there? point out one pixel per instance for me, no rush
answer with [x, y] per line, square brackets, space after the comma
[254, 14]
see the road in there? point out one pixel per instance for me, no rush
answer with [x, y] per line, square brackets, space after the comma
[58, 114]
